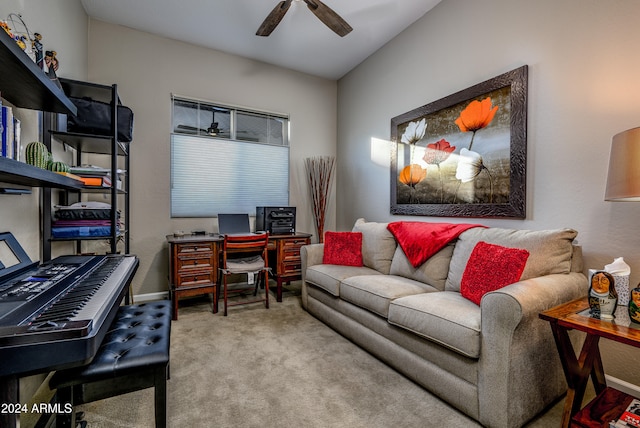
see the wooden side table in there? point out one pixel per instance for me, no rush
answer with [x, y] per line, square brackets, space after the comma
[578, 369]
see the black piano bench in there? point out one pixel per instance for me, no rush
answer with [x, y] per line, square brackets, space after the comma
[134, 355]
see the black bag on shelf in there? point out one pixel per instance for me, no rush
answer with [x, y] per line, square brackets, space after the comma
[94, 117]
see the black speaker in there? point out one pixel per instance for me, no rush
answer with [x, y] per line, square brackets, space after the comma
[276, 220]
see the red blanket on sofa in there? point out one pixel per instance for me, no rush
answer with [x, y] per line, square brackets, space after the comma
[420, 240]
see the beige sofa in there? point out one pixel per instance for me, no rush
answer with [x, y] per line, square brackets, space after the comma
[497, 361]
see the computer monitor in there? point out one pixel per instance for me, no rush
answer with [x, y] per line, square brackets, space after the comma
[233, 224]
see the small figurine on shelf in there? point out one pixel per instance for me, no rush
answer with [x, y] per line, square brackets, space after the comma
[38, 50]
[634, 305]
[52, 64]
[21, 41]
[5, 27]
[603, 298]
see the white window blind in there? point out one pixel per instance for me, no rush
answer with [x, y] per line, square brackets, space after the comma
[211, 176]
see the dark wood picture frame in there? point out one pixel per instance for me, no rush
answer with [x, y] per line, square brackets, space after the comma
[464, 155]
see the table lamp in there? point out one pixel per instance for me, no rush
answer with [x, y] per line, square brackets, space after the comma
[623, 181]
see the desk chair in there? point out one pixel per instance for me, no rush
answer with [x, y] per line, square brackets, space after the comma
[245, 254]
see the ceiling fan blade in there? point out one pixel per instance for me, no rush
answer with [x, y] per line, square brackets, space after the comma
[190, 129]
[273, 19]
[330, 18]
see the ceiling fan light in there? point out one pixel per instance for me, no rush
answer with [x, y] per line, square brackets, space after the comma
[213, 129]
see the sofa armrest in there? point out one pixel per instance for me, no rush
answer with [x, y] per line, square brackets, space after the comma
[310, 255]
[518, 353]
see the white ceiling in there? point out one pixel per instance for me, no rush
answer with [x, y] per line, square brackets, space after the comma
[300, 42]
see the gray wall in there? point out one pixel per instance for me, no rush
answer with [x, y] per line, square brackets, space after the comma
[583, 89]
[148, 69]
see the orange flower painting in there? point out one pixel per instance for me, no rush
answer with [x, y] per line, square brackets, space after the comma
[463, 155]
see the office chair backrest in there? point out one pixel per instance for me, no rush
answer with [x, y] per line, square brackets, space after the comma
[245, 252]
[250, 242]
[233, 224]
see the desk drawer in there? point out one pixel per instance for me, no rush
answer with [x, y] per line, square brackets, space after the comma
[191, 279]
[194, 248]
[291, 268]
[288, 256]
[290, 249]
[188, 261]
[294, 244]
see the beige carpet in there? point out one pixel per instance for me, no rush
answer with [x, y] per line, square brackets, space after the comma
[278, 368]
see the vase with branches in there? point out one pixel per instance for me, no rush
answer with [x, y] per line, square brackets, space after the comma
[320, 172]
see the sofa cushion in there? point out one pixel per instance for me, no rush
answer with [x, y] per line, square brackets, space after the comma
[433, 272]
[490, 268]
[378, 245]
[328, 277]
[342, 248]
[375, 292]
[550, 251]
[444, 317]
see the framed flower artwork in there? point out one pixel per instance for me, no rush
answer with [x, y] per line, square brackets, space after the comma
[464, 155]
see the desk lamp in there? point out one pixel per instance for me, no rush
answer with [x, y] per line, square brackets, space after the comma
[623, 185]
[623, 181]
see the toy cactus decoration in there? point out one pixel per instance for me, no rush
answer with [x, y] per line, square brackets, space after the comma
[58, 167]
[49, 160]
[319, 171]
[36, 154]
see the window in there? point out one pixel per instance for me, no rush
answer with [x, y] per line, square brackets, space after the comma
[227, 160]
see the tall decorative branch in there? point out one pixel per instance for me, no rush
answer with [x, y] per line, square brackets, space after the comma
[320, 171]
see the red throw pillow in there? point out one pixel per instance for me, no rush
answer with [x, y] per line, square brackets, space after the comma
[491, 267]
[342, 248]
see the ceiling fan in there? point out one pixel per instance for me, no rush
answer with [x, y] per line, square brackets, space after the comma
[321, 10]
[212, 130]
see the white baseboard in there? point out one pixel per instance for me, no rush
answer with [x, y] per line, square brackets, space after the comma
[148, 297]
[621, 385]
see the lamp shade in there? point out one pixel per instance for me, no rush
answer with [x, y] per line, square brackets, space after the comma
[623, 181]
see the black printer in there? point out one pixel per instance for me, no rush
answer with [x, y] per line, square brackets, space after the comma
[276, 220]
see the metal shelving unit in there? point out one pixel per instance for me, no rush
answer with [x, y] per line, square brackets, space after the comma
[102, 145]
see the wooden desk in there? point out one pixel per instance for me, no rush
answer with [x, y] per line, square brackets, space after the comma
[578, 369]
[194, 261]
